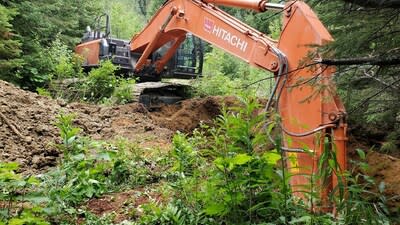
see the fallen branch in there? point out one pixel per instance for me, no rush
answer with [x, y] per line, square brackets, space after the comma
[11, 125]
[395, 4]
[378, 61]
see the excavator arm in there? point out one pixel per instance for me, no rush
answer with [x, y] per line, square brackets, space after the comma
[178, 17]
[313, 117]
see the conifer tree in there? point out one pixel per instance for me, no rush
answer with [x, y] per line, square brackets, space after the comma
[367, 55]
[9, 46]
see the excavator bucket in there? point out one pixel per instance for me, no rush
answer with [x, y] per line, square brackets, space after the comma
[313, 117]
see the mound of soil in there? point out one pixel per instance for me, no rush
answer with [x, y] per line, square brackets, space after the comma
[386, 169]
[28, 134]
[187, 115]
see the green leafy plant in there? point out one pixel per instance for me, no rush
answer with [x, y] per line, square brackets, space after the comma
[232, 176]
[68, 133]
[184, 154]
[70, 83]
[100, 82]
[245, 173]
[16, 188]
[89, 169]
[28, 217]
[360, 202]
[123, 92]
[43, 92]
[174, 213]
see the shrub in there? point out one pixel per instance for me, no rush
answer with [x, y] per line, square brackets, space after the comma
[90, 168]
[71, 84]
[226, 75]
[231, 177]
[123, 92]
[100, 82]
[15, 188]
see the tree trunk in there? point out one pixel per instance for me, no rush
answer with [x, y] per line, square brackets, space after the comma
[376, 3]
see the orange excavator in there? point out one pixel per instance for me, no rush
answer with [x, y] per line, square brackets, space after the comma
[313, 119]
[99, 44]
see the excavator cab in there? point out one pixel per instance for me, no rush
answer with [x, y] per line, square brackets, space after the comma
[98, 45]
[188, 59]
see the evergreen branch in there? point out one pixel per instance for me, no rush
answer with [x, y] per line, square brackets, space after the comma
[394, 87]
[363, 103]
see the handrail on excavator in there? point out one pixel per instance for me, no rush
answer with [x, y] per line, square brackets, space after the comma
[260, 6]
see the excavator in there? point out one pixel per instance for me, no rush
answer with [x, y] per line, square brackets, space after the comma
[313, 119]
[99, 44]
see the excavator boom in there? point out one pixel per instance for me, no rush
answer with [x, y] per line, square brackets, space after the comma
[311, 114]
[313, 117]
[179, 17]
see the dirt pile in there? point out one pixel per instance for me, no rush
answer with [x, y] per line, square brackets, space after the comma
[28, 134]
[386, 169]
[187, 115]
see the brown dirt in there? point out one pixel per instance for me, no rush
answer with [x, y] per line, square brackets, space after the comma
[125, 205]
[28, 134]
[385, 168]
[187, 115]
[31, 116]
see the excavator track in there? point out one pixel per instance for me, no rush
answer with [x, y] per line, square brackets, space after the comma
[155, 94]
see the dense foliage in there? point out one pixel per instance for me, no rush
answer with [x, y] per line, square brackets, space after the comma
[225, 174]
[9, 46]
[35, 28]
[366, 38]
[125, 21]
[37, 35]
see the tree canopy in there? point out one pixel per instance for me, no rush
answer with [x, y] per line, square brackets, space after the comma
[367, 55]
[37, 25]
